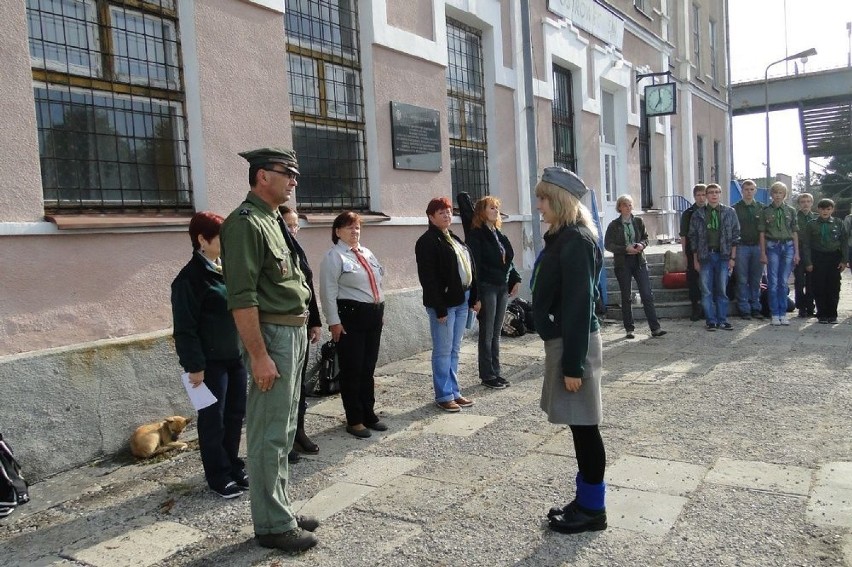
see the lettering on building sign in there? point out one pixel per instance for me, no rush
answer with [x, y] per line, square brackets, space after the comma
[590, 16]
[416, 135]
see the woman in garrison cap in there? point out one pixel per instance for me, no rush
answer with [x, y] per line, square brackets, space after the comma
[564, 287]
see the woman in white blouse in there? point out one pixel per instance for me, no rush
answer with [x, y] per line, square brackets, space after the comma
[353, 304]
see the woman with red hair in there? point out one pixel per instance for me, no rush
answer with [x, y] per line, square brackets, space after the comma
[208, 347]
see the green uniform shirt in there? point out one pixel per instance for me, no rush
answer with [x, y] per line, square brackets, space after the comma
[259, 269]
[823, 236]
[778, 225]
[804, 218]
[714, 221]
[749, 217]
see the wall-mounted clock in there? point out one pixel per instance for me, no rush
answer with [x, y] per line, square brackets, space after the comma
[661, 99]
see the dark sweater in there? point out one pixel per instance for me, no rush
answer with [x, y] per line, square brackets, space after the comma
[616, 242]
[203, 327]
[564, 293]
[438, 271]
[491, 267]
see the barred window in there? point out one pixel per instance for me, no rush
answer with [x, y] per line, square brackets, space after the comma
[563, 120]
[466, 111]
[109, 104]
[324, 70]
[699, 158]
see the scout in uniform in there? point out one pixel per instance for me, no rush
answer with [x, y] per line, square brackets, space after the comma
[825, 256]
[268, 297]
[802, 280]
[779, 250]
[748, 266]
[699, 193]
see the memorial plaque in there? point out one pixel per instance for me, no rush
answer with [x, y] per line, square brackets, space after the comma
[416, 137]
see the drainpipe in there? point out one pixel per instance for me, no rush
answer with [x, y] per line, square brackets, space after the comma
[529, 114]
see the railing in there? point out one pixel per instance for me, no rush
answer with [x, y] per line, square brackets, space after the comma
[672, 207]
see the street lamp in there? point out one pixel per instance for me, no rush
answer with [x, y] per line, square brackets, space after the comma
[801, 55]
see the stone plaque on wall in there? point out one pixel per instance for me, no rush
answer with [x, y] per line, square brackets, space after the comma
[416, 137]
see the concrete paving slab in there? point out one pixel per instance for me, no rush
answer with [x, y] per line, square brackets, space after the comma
[375, 471]
[458, 424]
[847, 550]
[831, 500]
[140, 547]
[652, 513]
[335, 498]
[412, 498]
[560, 444]
[329, 407]
[461, 469]
[655, 475]
[755, 475]
[823, 339]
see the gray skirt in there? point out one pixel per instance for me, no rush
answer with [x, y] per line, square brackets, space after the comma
[572, 408]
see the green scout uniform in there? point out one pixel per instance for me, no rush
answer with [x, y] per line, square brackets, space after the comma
[749, 217]
[261, 271]
[824, 236]
[778, 223]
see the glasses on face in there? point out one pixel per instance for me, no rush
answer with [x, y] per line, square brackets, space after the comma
[289, 174]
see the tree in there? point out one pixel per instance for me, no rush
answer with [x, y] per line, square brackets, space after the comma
[836, 183]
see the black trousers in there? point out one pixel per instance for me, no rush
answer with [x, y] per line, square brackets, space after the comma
[825, 280]
[357, 352]
[591, 455]
[804, 288]
[692, 280]
[220, 425]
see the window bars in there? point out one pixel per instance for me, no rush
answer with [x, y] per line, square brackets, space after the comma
[466, 111]
[109, 104]
[324, 70]
[563, 120]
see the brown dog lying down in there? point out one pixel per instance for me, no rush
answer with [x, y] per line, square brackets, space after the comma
[155, 438]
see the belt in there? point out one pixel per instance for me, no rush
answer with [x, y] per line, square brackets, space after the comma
[279, 319]
[714, 250]
[361, 304]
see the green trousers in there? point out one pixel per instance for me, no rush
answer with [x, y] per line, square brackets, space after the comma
[271, 427]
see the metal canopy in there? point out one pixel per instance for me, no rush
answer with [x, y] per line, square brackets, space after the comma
[826, 128]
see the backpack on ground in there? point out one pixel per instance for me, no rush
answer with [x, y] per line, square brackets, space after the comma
[326, 379]
[13, 488]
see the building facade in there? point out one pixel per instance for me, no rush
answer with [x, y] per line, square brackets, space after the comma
[126, 116]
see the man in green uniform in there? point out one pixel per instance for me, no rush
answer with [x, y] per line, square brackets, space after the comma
[749, 269]
[825, 256]
[268, 297]
[802, 286]
[699, 193]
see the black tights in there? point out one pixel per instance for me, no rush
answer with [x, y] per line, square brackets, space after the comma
[591, 456]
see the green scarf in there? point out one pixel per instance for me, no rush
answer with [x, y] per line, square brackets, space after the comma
[713, 219]
[824, 231]
[779, 217]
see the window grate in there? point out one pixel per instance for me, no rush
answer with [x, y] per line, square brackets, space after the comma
[324, 71]
[466, 111]
[108, 96]
[563, 120]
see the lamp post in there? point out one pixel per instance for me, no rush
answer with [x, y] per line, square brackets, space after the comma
[800, 55]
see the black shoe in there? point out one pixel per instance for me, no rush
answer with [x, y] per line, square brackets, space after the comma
[230, 490]
[304, 444]
[823, 320]
[493, 383]
[503, 381]
[658, 333]
[577, 520]
[242, 482]
[832, 320]
[293, 457]
[725, 326]
[378, 426]
[803, 313]
[711, 326]
[756, 314]
[629, 335]
[696, 313]
[557, 511]
[293, 541]
[362, 433]
[308, 523]
[745, 315]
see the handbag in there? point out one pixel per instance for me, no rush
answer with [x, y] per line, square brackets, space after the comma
[326, 379]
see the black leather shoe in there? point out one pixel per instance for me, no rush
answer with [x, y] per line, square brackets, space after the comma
[304, 443]
[293, 541]
[578, 520]
[658, 333]
[293, 457]
[378, 426]
[306, 522]
[629, 335]
[756, 315]
[362, 433]
[557, 511]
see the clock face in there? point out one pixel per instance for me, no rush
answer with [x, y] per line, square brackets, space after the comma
[660, 99]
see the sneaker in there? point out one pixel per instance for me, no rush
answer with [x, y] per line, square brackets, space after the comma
[503, 381]
[292, 541]
[630, 335]
[725, 326]
[776, 321]
[823, 320]
[658, 333]
[230, 490]
[755, 314]
[711, 326]
[784, 321]
[451, 407]
[832, 320]
[493, 383]
[463, 402]
[243, 482]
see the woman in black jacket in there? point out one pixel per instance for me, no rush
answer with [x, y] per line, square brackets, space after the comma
[446, 272]
[492, 255]
[207, 345]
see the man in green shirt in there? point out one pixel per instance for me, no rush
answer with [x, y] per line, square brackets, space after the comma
[779, 250]
[699, 193]
[825, 256]
[748, 266]
[268, 297]
[802, 280]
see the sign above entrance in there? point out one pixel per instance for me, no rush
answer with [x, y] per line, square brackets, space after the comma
[590, 16]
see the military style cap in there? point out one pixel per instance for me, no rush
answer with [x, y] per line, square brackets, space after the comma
[566, 179]
[265, 156]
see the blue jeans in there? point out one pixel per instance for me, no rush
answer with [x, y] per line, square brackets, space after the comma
[494, 299]
[714, 281]
[749, 270]
[779, 254]
[446, 343]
